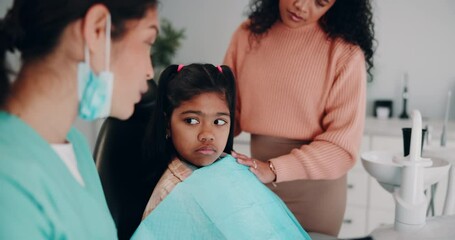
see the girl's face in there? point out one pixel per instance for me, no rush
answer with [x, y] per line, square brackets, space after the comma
[131, 63]
[199, 128]
[299, 13]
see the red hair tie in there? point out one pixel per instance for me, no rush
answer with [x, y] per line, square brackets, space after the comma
[220, 69]
[180, 67]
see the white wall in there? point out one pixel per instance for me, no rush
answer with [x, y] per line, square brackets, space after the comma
[208, 26]
[414, 36]
[417, 36]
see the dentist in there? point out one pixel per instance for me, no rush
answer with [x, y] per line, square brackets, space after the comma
[80, 58]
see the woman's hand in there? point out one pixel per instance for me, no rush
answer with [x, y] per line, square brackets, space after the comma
[259, 168]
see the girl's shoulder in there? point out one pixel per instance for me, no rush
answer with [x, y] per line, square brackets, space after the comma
[227, 159]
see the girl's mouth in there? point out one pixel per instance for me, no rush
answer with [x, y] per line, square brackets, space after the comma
[206, 150]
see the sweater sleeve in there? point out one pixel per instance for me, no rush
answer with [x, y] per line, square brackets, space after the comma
[333, 152]
[231, 59]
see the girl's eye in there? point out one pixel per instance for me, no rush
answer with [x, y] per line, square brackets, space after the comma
[191, 121]
[220, 122]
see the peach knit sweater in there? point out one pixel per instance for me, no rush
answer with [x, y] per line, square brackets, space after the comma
[298, 84]
[176, 172]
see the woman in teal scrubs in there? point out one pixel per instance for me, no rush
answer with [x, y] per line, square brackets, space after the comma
[80, 58]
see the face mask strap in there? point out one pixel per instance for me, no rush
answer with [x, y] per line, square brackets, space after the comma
[86, 55]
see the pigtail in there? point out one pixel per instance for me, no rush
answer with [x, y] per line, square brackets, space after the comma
[230, 97]
[157, 146]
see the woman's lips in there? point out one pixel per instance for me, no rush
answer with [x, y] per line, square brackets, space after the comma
[294, 17]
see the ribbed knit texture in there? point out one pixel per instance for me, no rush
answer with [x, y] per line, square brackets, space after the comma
[298, 84]
[176, 172]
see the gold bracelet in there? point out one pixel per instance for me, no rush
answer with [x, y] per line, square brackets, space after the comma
[274, 172]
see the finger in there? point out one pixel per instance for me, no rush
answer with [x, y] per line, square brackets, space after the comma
[244, 162]
[234, 154]
[242, 155]
[244, 158]
[247, 162]
[238, 155]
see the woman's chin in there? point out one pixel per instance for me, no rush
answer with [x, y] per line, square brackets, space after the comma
[124, 114]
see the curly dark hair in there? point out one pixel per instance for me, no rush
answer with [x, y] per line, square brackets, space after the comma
[351, 20]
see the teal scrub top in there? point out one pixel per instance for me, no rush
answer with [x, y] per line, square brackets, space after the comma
[221, 201]
[39, 197]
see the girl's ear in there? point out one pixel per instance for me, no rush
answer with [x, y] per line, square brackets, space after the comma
[168, 133]
[94, 34]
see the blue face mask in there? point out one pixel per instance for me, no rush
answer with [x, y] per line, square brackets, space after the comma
[95, 91]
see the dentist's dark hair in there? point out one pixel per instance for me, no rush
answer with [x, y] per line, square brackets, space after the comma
[174, 88]
[34, 28]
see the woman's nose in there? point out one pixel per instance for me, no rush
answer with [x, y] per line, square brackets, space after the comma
[301, 4]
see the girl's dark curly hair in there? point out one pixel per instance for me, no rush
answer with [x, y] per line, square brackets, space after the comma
[351, 20]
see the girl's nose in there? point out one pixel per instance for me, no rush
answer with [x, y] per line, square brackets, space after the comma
[206, 136]
[205, 139]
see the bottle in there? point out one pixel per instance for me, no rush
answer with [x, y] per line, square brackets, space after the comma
[404, 114]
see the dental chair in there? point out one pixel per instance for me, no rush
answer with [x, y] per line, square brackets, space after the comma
[118, 157]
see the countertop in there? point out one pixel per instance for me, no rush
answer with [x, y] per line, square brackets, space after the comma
[390, 127]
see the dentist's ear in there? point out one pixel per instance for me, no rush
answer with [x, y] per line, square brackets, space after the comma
[94, 34]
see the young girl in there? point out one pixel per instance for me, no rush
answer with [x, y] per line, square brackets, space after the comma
[202, 192]
[310, 57]
[191, 126]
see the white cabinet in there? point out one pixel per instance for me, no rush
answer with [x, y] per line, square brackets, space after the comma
[378, 218]
[355, 217]
[354, 222]
[357, 189]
